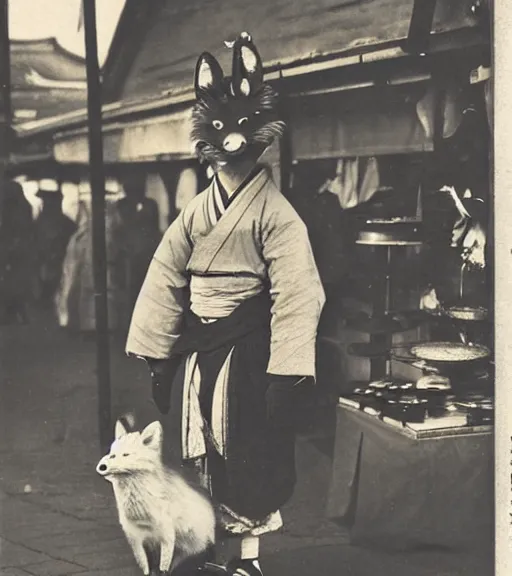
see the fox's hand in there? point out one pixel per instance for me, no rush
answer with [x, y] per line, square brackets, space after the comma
[282, 398]
[162, 376]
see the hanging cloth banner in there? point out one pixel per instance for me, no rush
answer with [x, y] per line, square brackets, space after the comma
[365, 122]
[356, 181]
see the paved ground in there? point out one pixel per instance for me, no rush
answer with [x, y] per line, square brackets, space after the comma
[58, 516]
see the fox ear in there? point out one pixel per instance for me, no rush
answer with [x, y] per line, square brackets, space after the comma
[208, 75]
[120, 430]
[247, 67]
[152, 435]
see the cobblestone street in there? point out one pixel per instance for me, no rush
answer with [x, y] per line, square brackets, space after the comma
[58, 516]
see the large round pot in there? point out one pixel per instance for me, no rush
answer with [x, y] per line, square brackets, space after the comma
[460, 362]
[452, 356]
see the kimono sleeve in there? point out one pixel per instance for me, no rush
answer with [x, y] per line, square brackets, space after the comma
[296, 291]
[158, 312]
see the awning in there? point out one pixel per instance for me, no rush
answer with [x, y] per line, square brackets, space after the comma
[161, 138]
[295, 38]
[286, 32]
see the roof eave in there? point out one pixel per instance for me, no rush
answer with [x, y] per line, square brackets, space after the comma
[299, 66]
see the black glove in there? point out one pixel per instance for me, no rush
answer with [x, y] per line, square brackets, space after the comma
[162, 376]
[281, 396]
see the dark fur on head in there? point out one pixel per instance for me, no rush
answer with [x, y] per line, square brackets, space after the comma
[237, 116]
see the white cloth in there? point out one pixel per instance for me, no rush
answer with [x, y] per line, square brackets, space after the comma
[350, 186]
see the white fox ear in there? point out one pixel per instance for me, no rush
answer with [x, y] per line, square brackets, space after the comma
[152, 435]
[208, 75]
[247, 67]
[120, 430]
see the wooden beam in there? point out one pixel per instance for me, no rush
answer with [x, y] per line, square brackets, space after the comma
[420, 27]
[97, 178]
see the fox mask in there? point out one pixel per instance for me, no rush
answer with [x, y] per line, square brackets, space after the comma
[233, 117]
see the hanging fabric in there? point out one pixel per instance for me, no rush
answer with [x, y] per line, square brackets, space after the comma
[356, 181]
[156, 190]
[452, 110]
[186, 189]
[70, 200]
[361, 122]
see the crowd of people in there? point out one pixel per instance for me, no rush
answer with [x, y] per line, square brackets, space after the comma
[46, 257]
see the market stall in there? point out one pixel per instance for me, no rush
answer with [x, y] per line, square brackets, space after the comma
[413, 485]
[391, 175]
[386, 159]
[413, 451]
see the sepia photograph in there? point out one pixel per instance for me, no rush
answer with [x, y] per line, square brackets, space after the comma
[247, 288]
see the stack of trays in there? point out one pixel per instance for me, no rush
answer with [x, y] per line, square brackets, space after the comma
[479, 412]
[403, 401]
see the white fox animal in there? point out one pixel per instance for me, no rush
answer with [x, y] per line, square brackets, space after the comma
[156, 505]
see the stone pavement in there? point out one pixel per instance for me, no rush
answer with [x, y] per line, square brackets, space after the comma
[57, 516]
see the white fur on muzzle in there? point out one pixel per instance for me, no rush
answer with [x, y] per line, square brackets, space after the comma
[234, 142]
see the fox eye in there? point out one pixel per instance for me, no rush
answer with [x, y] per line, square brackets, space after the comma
[112, 456]
[257, 113]
[125, 454]
[243, 120]
[218, 125]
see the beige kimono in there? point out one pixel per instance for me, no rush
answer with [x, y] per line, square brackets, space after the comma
[259, 239]
[217, 264]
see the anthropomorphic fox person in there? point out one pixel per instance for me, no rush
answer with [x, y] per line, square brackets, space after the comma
[228, 312]
[157, 507]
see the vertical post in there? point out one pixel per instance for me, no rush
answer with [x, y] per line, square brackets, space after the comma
[5, 94]
[420, 26]
[97, 177]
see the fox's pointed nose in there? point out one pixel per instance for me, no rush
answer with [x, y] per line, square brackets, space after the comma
[234, 142]
[101, 468]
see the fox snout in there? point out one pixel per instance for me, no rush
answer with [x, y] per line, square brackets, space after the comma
[102, 468]
[234, 142]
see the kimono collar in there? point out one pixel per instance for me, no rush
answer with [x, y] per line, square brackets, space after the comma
[252, 174]
[207, 247]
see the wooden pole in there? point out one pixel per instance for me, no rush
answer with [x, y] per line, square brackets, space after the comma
[97, 177]
[420, 27]
[5, 96]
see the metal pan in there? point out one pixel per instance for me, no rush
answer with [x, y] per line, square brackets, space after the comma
[466, 313]
[450, 352]
[461, 313]
[452, 358]
[447, 358]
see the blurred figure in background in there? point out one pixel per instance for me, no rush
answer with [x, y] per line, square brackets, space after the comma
[16, 254]
[139, 233]
[75, 303]
[186, 189]
[53, 232]
[69, 276]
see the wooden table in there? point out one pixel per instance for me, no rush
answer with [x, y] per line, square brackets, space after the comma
[417, 485]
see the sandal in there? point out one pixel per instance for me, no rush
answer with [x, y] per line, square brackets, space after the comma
[239, 567]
